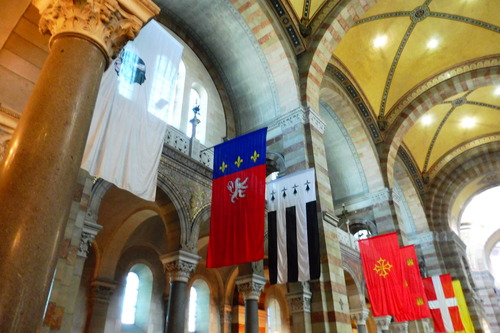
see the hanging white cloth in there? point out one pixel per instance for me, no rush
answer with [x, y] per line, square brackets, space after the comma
[130, 118]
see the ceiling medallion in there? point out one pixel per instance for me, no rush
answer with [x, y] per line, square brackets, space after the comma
[459, 101]
[419, 13]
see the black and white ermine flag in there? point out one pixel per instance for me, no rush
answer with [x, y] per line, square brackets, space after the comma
[293, 239]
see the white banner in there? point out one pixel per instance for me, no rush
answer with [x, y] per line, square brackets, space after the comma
[130, 118]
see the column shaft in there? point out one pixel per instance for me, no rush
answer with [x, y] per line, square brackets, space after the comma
[38, 175]
[177, 307]
[251, 316]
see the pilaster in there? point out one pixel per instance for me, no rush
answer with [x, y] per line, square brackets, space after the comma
[299, 300]
[99, 298]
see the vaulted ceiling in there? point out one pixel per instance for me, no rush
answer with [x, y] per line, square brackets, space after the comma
[399, 46]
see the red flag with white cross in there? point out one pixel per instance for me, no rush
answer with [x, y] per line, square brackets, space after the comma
[443, 303]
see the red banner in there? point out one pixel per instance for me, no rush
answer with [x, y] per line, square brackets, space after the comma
[415, 288]
[443, 304]
[381, 259]
[238, 201]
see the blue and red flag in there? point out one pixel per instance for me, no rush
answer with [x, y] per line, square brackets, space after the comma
[238, 201]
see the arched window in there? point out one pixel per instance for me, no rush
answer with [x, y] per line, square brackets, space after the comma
[193, 300]
[130, 298]
[199, 307]
[175, 106]
[137, 296]
[273, 316]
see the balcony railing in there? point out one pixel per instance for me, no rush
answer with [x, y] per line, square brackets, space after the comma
[193, 148]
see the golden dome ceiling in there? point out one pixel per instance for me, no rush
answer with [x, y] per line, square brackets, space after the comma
[398, 46]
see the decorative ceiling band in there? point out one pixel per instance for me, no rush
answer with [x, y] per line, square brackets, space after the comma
[394, 64]
[455, 104]
[467, 20]
[382, 16]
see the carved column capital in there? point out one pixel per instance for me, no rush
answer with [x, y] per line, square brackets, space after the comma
[90, 230]
[251, 286]
[401, 327]
[179, 265]
[110, 24]
[299, 301]
[383, 322]
[102, 290]
[360, 316]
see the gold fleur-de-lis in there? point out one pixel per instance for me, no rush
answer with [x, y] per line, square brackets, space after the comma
[223, 167]
[420, 301]
[410, 262]
[255, 156]
[238, 162]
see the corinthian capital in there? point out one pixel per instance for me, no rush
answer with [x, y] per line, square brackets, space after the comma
[179, 265]
[108, 23]
[251, 286]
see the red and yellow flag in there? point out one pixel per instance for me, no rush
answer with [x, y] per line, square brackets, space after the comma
[417, 300]
[381, 260]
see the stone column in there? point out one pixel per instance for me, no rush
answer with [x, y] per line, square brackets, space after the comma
[401, 327]
[303, 147]
[360, 316]
[40, 167]
[251, 286]
[299, 299]
[100, 294]
[179, 266]
[383, 323]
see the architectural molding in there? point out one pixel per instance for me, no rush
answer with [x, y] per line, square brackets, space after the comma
[383, 322]
[290, 119]
[89, 232]
[313, 118]
[330, 218]
[179, 265]
[443, 161]
[251, 286]
[401, 327]
[110, 24]
[102, 290]
[360, 315]
[299, 301]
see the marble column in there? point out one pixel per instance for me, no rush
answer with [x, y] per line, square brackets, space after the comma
[299, 300]
[251, 286]
[360, 316]
[383, 323]
[179, 266]
[40, 167]
[100, 294]
[401, 327]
